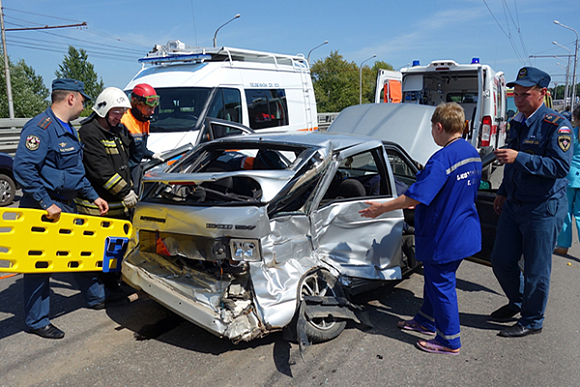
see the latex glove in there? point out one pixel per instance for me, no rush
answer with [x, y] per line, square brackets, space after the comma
[157, 156]
[130, 200]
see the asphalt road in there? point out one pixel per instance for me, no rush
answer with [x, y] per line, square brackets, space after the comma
[143, 344]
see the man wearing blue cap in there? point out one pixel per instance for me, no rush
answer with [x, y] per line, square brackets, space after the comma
[531, 202]
[49, 167]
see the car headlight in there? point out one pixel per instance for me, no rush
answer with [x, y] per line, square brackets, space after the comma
[245, 250]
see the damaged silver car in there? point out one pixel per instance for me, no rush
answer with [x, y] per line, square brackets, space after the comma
[248, 235]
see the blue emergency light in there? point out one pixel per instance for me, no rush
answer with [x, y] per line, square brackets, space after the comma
[416, 63]
[475, 61]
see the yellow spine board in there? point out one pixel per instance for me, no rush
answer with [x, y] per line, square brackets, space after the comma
[30, 243]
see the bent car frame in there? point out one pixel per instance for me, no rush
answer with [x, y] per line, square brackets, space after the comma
[247, 235]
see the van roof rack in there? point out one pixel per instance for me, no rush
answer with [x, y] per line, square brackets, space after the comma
[175, 51]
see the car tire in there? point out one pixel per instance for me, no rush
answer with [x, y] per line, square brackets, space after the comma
[7, 190]
[321, 283]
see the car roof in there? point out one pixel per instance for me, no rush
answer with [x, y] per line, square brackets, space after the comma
[408, 125]
[333, 141]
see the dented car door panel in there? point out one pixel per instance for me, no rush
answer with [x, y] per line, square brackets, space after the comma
[357, 246]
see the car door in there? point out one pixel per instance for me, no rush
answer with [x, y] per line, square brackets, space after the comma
[405, 169]
[357, 246]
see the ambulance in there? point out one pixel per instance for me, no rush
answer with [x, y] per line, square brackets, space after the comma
[479, 89]
[261, 90]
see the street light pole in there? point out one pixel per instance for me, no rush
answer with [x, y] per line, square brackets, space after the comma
[320, 45]
[216, 31]
[360, 79]
[6, 65]
[567, 71]
[575, 63]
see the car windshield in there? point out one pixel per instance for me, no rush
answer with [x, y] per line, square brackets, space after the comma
[179, 108]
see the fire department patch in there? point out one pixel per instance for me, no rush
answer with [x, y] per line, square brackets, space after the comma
[564, 142]
[32, 142]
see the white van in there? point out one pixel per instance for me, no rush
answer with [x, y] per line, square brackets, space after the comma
[479, 89]
[261, 90]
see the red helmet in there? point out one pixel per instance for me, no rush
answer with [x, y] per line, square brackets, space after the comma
[145, 93]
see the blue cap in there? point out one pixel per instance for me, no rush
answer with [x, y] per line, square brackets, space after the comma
[69, 84]
[531, 76]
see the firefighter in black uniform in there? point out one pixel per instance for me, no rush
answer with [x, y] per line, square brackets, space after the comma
[106, 160]
[106, 155]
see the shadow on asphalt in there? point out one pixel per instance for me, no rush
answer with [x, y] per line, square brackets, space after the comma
[11, 302]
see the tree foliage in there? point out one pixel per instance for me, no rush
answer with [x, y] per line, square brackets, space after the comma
[337, 82]
[29, 94]
[76, 65]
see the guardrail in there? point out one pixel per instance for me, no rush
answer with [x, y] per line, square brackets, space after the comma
[10, 129]
[325, 119]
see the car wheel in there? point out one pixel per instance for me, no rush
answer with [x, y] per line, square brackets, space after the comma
[7, 190]
[321, 283]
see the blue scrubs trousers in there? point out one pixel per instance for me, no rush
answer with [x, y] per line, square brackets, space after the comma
[565, 237]
[530, 229]
[439, 311]
[37, 286]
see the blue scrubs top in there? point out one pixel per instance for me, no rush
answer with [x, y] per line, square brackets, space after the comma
[446, 221]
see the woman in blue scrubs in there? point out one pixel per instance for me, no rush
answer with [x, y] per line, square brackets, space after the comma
[447, 227]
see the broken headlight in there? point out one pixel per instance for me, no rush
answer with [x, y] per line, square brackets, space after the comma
[245, 250]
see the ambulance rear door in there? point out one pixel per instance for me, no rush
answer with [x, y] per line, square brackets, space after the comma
[389, 87]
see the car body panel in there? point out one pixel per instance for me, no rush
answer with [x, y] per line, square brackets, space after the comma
[189, 246]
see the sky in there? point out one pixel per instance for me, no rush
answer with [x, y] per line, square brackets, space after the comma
[501, 33]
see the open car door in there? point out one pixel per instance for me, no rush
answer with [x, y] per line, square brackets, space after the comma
[356, 246]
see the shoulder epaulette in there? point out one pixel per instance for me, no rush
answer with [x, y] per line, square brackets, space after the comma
[44, 123]
[553, 119]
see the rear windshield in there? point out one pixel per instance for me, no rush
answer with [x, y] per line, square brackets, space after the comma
[211, 188]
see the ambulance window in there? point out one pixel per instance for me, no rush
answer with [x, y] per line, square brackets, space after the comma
[226, 105]
[267, 108]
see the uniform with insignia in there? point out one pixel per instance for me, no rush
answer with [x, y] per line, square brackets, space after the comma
[48, 166]
[533, 213]
[49, 162]
[106, 159]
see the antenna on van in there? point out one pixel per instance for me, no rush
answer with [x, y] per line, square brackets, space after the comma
[216, 31]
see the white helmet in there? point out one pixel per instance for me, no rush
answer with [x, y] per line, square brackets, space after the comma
[109, 98]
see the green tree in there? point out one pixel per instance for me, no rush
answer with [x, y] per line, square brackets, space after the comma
[29, 94]
[337, 82]
[76, 65]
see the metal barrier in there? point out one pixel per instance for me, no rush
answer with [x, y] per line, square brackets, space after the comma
[10, 129]
[325, 119]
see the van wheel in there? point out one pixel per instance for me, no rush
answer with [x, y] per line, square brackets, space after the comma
[7, 190]
[321, 283]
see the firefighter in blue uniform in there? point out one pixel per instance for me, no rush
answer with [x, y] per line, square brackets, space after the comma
[447, 227]
[531, 202]
[49, 167]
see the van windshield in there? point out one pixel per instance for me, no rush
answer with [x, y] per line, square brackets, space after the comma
[179, 108]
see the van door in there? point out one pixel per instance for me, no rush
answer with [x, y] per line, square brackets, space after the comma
[356, 246]
[389, 87]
